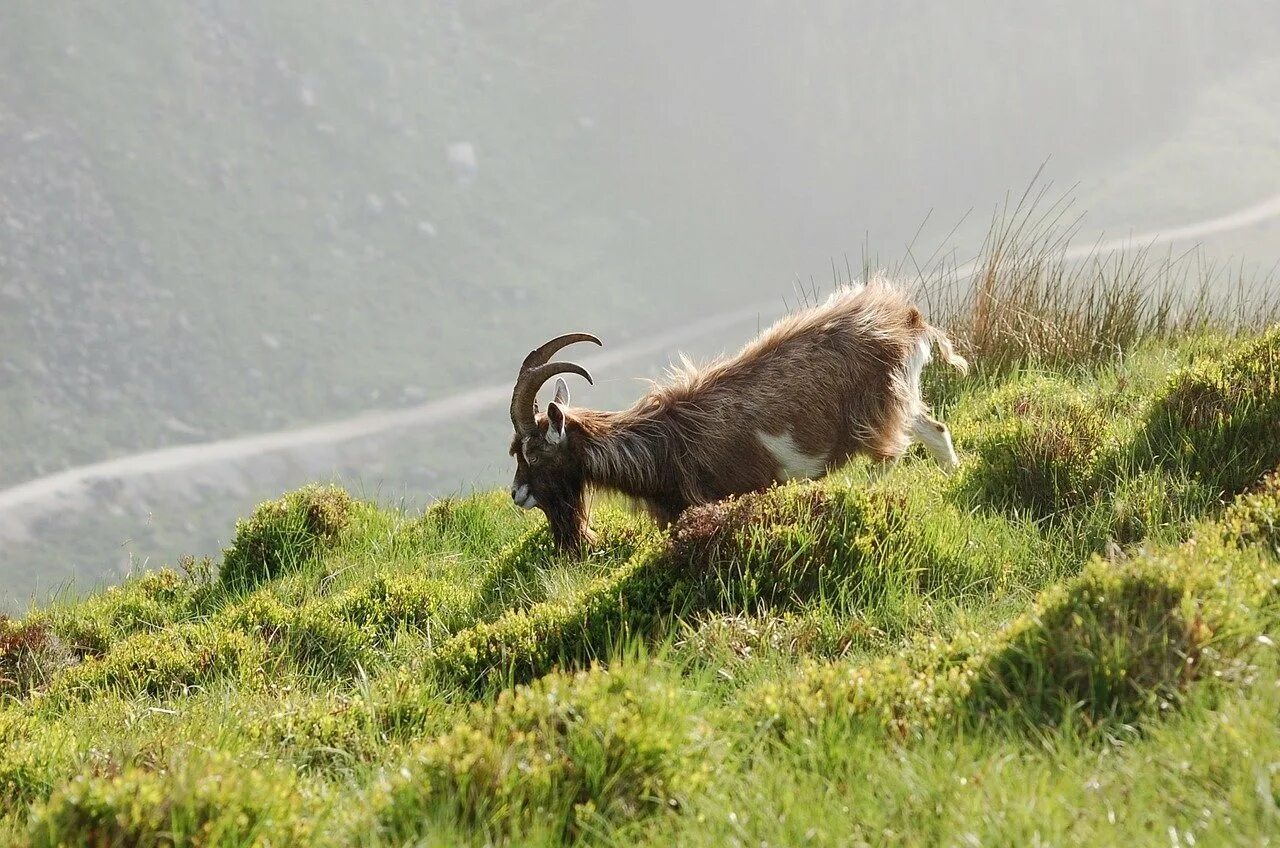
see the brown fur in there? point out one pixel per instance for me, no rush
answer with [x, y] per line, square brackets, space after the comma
[833, 378]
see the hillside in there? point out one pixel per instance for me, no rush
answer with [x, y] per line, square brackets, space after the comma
[1072, 641]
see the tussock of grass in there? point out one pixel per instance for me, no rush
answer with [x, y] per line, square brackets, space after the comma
[1038, 448]
[1034, 301]
[311, 638]
[729, 641]
[1108, 647]
[168, 663]
[145, 603]
[389, 603]
[1220, 419]
[525, 643]
[283, 534]
[592, 749]
[803, 543]
[28, 773]
[1118, 643]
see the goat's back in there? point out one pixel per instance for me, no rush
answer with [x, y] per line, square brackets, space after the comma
[829, 381]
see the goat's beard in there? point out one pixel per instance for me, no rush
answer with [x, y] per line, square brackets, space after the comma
[568, 519]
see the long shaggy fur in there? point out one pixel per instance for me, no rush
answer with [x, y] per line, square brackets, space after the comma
[827, 383]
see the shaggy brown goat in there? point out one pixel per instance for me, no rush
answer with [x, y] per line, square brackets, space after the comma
[816, 388]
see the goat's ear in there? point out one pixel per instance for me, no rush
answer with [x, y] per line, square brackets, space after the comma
[562, 391]
[556, 422]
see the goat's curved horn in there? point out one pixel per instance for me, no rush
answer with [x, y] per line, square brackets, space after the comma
[543, 355]
[527, 385]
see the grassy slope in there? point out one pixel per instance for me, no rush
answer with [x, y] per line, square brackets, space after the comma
[1071, 641]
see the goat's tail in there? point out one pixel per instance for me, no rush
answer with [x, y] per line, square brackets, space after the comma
[949, 355]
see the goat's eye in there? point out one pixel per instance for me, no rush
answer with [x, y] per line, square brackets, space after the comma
[532, 458]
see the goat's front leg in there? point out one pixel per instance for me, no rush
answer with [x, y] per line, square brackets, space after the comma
[937, 439]
[663, 512]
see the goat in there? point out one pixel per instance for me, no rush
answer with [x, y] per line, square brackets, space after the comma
[818, 387]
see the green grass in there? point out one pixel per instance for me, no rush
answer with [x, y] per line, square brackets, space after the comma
[1072, 640]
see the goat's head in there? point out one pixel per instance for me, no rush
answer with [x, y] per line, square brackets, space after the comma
[550, 467]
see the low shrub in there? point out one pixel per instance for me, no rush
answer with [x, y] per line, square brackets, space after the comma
[321, 642]
[313, 638]
[321, 732]
[202, 803]
[1219, 420]
[284, 534]
[387, 602]
[29, 773]
[1254, 518]
[145, 602]
[562, 755]
[164, 664]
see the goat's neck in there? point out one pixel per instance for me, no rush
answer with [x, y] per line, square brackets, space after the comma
[626, 452]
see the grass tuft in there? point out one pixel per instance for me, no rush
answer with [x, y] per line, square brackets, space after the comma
[1219, 420]
[198, 804]
[568, 755]
[284, 534]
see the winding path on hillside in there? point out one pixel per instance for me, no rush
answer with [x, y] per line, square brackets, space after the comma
[23, 505]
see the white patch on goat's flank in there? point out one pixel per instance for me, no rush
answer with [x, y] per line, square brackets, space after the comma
[793, 463]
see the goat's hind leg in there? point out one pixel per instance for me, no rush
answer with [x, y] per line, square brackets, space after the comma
[937, 440]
